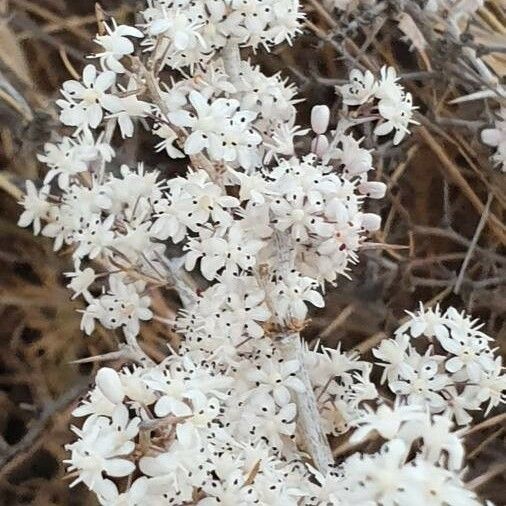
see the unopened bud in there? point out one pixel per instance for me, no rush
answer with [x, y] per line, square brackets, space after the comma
[109, 383]
[320, 118]
[319, 145]
[373, 189]
[371, 222]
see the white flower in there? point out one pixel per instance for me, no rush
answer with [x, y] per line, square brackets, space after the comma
[492, 386]
[437, 438]
[175, 391]
[36, 207]
[81, 280]
[116, 45]
[428, 322]
[287, 21]
[356, 160]
[95, 404]
[209, 120]
[320, 145]
[228, 492]
[459, 403]
[422, 384]
[388, 87]
[333, 363]
[370, 222]
[253, 187]
[122, 307]
[178, 27]
[95, 238]
[281, 140]
[373, 189]
[394, 353]
[398, 115]
[85, 102]
[291, 292]
[277, 378]
[270, 423]
[301, 215]
[381, 475]
[243, 307]
[385, 420]
[102, 446]
[170, 469]
[394, 104]
[169, 138]
[431, 485]
[471, 353]
[231, 253]
[108, 494]
[361, 88]
[329, 488]
[127, 107]
[72, 156]
[63, 162]
[236, 141]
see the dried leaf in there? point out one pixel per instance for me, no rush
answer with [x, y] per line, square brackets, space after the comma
[409, 28]
[12, 55]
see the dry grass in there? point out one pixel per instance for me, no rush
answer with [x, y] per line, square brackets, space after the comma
[442, 240]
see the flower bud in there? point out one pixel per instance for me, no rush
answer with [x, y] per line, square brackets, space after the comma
[371, 222]
[319, 145]
[491, 136]
[373, 189]
[109, 383]
[320, 118]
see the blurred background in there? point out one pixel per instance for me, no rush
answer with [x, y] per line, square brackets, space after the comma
[441, 184]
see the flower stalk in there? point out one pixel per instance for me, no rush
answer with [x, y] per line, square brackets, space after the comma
[309, 425]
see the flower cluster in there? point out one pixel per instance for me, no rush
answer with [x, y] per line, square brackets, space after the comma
[122, 220]
[237, 121]
[496, 137]
[393, 475]
[231, 212]
[453, 371]
[216, 424]
[232, 416]
[86, 102]
[193, 427]
[104, 217]
[188, 33]
[342, 386]
[394, 105]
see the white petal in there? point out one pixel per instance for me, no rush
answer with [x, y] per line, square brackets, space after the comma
[109, 383]
[117, 468]
[195, 143]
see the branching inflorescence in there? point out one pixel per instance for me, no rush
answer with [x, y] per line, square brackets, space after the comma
[242, 411]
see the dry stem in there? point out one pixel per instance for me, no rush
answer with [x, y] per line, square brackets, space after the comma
[308, 417]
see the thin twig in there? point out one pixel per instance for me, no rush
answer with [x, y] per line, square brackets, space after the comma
[481, 480]
[40, 425]
[490, 422]
[473, 244]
